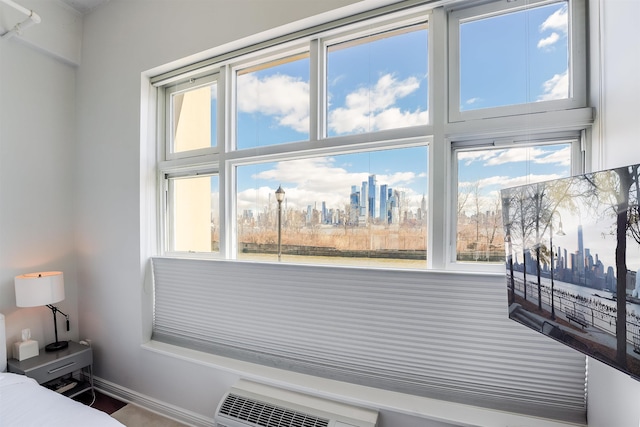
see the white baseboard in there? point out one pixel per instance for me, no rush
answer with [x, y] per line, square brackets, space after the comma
[170, 411]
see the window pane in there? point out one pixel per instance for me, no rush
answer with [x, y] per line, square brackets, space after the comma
[481, 176]
[364, 208]
[194, 118]
[196, 220]
[272, 103]
[515, 58]
[377, 82]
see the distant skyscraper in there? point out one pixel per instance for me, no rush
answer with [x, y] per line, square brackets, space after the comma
[354, 205]
[580, 259]
[383, 202]
[364, 199]
[374, 207]
[324, 217]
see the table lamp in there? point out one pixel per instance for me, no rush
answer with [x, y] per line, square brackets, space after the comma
[45, 288]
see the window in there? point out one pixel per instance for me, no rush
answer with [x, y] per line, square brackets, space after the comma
[194, 217]
[482, 173]
[272, 102]
[192, 112]
[378, 82]
[509, 57]
[359, 209]
[345, 141]
[353, 121]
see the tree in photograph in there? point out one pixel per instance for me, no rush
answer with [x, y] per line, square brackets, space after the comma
[531, 210]
[626, 221]
[549, 197]
[508, 220]
[622, 185]
[539, 206]
[522, 221]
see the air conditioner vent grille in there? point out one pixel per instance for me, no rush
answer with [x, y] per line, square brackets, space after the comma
[267, 415]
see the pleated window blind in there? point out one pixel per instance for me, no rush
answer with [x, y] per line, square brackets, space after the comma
[439, 335]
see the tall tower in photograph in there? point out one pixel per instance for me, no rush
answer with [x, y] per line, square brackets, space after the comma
[580, 257]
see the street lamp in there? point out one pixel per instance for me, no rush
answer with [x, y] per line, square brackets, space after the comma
[279, 198]
[558, 233]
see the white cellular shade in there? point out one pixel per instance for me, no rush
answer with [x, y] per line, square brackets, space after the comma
[36, 289]
[440, 335]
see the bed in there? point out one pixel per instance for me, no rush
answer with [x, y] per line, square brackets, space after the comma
[24, 403]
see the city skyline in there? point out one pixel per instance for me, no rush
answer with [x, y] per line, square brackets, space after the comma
[579, 264]
[384, 205]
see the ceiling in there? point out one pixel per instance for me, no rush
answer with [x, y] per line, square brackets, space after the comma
[85, 6]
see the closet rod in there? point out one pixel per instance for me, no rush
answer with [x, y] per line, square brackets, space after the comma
[32, 18]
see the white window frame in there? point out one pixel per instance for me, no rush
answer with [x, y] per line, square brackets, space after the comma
[441, 134]
[296, 47]
[512, 141]
[192, 83]
[577, 60]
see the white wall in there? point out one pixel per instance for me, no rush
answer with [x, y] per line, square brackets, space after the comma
[37, 171]
[613, 396]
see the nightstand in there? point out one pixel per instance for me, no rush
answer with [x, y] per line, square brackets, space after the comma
[74, 363]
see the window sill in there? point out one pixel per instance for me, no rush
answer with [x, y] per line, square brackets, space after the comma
[432, 409]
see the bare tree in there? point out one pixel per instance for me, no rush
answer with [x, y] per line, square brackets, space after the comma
[622, 185]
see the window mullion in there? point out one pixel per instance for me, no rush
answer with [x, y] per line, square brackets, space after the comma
[316, 91]
[438, 151]
[224, 119]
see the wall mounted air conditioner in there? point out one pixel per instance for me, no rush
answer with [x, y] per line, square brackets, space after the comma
[249, 404]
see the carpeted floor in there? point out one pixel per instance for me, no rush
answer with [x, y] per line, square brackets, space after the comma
[134, 416]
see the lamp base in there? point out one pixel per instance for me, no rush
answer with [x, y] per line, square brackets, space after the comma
[55, 346]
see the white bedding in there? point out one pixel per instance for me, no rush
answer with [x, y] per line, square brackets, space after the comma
[24, 403]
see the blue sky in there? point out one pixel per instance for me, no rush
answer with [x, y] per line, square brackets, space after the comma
[514, 59]
[381, 83]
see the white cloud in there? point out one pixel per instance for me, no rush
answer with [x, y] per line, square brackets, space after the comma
[373, 108]
[311, 180]
[529, 154]
[557, 21]
[472, 101]
[286, 98]
[469, 157]
[512, 155]
[508, 181]
[556, 87]
[316, 180]
[548, 41]
[560, 157]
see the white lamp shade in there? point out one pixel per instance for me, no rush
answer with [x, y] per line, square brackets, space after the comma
[35, 289]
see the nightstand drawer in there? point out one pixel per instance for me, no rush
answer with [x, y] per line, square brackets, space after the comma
[61, 367]
[49, 366]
